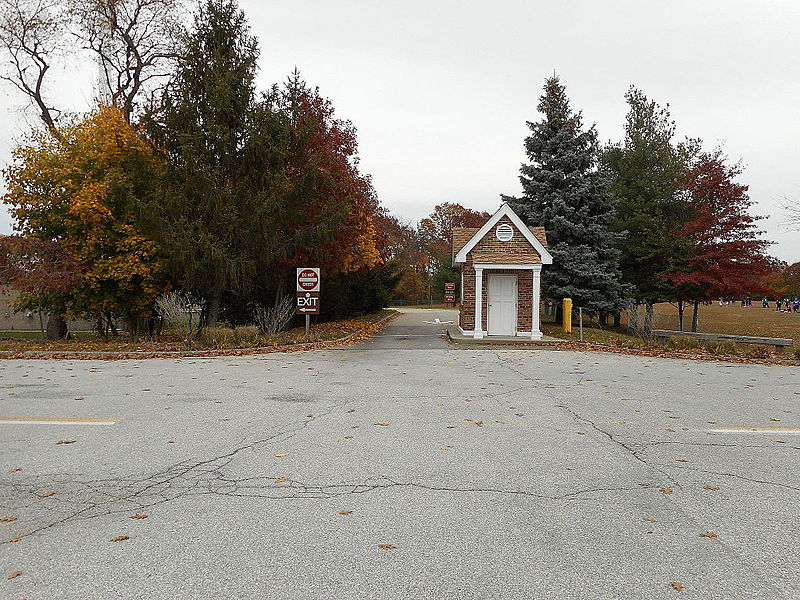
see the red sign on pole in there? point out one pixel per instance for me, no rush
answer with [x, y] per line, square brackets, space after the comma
[450, 287]
[308, 279]
[450, 298]
[308, 290]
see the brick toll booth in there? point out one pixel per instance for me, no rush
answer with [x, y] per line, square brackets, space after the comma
[501, 263]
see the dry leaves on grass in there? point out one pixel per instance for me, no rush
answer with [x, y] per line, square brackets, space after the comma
[386, 546]
[708, 534]
[678, 587]
[7, 519]
[62, 442]
[345, 512]
[14, 575]
[138, 516]
[120, 538]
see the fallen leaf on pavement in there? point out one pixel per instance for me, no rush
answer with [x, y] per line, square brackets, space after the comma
[678, 587]
[309, 415]
[519, 415]
[65, 442]
[451, 426]
[666, 490]
[708, 534]
[282, 480]
[774, 419]
[120, 538]
[138, 516]
[382, 424]
[15, 574]
[7, 519]
[710, 487]
[13, 540]
[668, 429]
[386, 546]
[47, 494]
[17, 470]
[345, 512]
[446, 447]
[645, 484]
[352, 410]
[348, 437]
[649, 520]
[681, 460]
[580, 432]
[280, 455]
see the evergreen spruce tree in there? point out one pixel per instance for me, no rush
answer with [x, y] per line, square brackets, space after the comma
[564, 192]
[213, 214]
[646, 173]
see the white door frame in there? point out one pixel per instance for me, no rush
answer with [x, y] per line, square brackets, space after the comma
[489, 327]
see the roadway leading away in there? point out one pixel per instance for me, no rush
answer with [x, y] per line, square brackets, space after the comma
[369, 472]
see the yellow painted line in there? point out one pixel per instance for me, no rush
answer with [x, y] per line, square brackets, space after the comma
[58, 421]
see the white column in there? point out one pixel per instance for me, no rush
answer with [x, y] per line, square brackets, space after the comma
[536, 330]
[478, 331]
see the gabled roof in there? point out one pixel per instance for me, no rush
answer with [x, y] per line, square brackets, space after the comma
[535, 235]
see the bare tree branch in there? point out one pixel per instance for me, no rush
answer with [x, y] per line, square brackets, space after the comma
[32, 35]
[135, 41]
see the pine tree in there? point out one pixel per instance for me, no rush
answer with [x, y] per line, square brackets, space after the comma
[563, 191]
[205, 216]
[646, 172]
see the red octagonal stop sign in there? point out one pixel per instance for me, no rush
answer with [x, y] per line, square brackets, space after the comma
[308, 279]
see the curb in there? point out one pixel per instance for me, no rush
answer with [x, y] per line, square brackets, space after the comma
[149, 354]
[527, 344]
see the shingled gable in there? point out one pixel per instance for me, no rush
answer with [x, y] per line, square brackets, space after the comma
[479, 234]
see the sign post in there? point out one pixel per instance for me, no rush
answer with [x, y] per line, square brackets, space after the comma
[450, 292]
[308, 292]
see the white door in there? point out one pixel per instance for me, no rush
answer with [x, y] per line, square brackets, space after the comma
[502, 304]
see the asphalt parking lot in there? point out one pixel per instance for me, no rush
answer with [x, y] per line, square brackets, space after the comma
[400, 468]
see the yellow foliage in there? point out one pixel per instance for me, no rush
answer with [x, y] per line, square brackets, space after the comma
[83, 191]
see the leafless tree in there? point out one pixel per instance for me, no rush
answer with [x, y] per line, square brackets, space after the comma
[273, 319]
[135, 42]
[33, 33]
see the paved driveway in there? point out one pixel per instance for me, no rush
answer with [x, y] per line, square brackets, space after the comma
[370, 472]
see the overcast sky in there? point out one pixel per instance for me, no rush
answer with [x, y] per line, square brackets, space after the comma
[440, 89]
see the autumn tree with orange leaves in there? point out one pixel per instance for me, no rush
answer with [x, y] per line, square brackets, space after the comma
[80, 192]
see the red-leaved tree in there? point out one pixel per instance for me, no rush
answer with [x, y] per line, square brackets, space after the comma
[727, 255]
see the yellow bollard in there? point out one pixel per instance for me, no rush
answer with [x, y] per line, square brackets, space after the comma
[566, 321]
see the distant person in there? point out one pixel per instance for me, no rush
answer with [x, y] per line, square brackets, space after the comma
[778, 305]
[796, 305]
[765, 302]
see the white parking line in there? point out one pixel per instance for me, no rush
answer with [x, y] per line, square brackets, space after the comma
[56, 421]
[786, 430]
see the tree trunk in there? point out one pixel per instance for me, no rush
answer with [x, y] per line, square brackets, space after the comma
[41, 323]
[649, 318]
[214, 304]
[603, 318]
[681, 309]
[617, 319]
[696, 316]
[279, 291]
[56, 328]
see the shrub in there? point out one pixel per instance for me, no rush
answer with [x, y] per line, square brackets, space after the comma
[721, 348]
[796, 352]
[273, 319]
[759, 352]
[231, 337]
[181, 312]
[683, 343]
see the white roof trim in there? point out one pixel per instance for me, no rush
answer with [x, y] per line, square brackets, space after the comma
[504, 211]
[518, 267]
